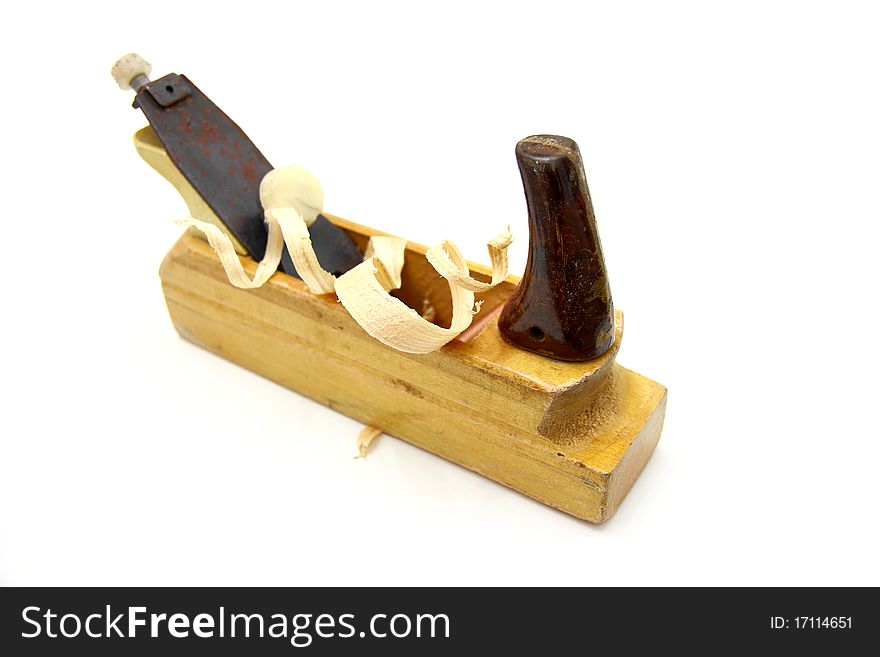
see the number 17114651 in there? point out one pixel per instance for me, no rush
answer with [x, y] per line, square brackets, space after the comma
[812, 622]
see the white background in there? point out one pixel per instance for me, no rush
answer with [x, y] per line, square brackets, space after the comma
[732, 154]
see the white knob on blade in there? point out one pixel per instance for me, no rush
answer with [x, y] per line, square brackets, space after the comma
[128, 68]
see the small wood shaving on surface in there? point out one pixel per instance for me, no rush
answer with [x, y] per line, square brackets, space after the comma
[365, 439]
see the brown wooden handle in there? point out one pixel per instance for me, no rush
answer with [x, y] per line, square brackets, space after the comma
[562, 308]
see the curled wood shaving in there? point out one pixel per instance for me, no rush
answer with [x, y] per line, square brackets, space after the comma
[292, 198]
[224, 249]
[390, 251]
[440, 257]
[299, 245]
[364, 291]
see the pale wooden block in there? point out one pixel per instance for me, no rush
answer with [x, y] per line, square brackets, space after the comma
[572, 435]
